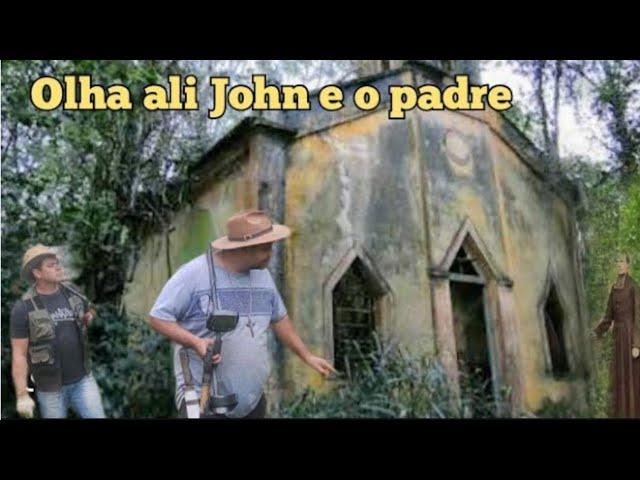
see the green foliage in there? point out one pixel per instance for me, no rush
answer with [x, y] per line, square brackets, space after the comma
[393, 384]
[608, 89]
[132, 365]
[522, 119]
[611, 223]
[97, 182]
[561, 409]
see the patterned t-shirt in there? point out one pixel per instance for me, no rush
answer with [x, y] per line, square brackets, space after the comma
[245, 364]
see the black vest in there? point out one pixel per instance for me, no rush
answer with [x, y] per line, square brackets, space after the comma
[44, 361]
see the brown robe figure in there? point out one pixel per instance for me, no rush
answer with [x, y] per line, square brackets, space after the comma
[623, 312]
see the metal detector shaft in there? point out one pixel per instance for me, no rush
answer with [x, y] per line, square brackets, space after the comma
[217, 348]
[215, 384]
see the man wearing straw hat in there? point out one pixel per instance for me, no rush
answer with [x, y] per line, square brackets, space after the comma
[242, 285]
[49, 339]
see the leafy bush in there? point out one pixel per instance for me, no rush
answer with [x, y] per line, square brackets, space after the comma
[132, 366]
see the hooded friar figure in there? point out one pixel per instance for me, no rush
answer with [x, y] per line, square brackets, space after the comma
[623, 313]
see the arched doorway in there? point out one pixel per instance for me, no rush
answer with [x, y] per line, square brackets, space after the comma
[474, 334]
[474, 319]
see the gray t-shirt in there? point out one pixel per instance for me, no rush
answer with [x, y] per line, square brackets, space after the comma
[245, 364]
[68, 340]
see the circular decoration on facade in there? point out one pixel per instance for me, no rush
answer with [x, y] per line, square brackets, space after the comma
[458, 153]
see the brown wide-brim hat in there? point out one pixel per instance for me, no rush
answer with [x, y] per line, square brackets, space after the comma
[32, 256]
[249, 228]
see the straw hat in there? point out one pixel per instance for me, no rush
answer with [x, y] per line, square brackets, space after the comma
[32, 256]
[248, 228]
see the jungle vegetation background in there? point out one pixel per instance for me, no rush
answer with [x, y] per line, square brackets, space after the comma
[97, 181]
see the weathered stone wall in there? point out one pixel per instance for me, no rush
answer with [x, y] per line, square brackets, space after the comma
[540, 247]
[459, 181]
[356, 185]
[192, 230]
[397, 192]
[471, 172]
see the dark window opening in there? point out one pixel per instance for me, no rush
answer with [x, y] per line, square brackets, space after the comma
[463, 264]
[554, 326]
[354, 319]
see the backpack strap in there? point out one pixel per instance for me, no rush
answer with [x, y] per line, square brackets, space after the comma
[32, 300]
[67, 289]
[33, 303]
[79, 303]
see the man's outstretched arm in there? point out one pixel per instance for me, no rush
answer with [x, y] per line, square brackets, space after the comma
[287, 334]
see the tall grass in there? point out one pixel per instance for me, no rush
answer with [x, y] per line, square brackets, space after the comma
[391, 383]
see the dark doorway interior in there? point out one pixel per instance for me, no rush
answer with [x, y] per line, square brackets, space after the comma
[472, 340]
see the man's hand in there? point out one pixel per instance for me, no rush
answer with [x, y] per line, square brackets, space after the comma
[179, 335]
[602, 328]
[25, 406]
[200, 346]
[87, 317]
[285, 332]
[635, 352]
[320, 365]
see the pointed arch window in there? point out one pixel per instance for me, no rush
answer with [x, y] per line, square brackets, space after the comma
[554, 324]
[354, 317]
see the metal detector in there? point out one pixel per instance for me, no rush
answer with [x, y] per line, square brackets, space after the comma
[219, 322]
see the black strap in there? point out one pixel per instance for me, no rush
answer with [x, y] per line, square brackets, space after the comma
[39, 304]
[225, 401]
[34, 303]
[212, 277]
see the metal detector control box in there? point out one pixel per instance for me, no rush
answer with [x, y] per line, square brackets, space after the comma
[223, 321]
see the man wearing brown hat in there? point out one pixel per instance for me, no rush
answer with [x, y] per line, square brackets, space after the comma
[49, 339]
[233, 278]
